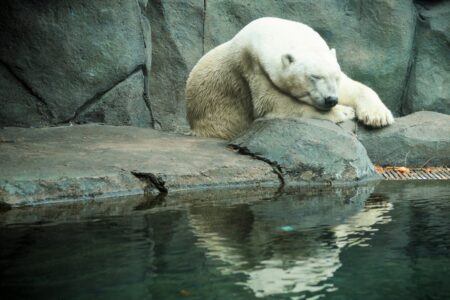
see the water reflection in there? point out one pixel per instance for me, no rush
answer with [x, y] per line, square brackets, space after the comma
[292, 244]
[241, 245]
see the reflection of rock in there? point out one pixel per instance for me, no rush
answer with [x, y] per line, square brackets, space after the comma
[417, 140]
[307, 151]
[252, 240]
[111, 258]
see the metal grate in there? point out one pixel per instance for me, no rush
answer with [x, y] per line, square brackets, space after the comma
[393, 173]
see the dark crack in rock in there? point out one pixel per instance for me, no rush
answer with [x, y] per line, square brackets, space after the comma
[177, 36]
[69, 51]
[308, 151]
[122, 105]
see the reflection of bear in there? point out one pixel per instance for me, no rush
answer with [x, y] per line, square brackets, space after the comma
[291, 244]
[275, 68]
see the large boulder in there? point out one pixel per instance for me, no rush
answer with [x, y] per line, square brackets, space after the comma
[429, 83]
[177, 29]
[307, 151]
[417, 140]
[374, 39]
[63, 56]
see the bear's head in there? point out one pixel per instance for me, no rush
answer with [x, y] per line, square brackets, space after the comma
[312, 78]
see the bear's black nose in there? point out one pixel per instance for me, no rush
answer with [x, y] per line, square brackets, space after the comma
[331, 101]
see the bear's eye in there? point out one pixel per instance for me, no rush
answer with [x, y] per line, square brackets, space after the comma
[316, 77]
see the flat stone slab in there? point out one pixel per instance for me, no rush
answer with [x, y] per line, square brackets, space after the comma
[94, 161]
[307, 151]
[60, 164]
[417, 140]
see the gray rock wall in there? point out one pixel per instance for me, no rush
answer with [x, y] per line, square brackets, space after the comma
[429, 87]
[66, 56]
[177, 36]
[98, 61]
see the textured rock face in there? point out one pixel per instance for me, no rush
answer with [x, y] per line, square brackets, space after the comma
[429, 85]
[373, 39]
[177, 28]
[65, 55]
[307, 151]
[417, 140]
[66, 62]
[19, 107]
[121, 105]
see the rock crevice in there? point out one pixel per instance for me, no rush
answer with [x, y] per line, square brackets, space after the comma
[151, 180]
[146, 68]
[43, 107]
[277, 169]
[307, 151]
[98, 96]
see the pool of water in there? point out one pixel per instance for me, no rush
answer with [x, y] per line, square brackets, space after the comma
[391, 241]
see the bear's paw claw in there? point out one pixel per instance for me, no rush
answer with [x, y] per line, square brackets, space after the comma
[376, 118]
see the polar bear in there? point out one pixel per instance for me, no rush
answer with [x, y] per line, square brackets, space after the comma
[275, 68]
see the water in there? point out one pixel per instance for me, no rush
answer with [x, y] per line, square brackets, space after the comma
[388, 242]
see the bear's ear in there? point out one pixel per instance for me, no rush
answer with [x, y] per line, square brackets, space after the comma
[287, 59]
[333, 51]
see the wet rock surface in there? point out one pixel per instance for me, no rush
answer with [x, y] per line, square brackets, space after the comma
[307, 151]
[94, 161]
[127, 205]
[417, 140]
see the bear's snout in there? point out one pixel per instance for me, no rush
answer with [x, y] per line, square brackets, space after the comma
[330, 101]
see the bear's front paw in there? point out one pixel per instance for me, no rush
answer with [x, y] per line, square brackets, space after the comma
[341, 113]
[376, 117]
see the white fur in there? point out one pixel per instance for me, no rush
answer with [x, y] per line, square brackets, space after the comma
[274, 68]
